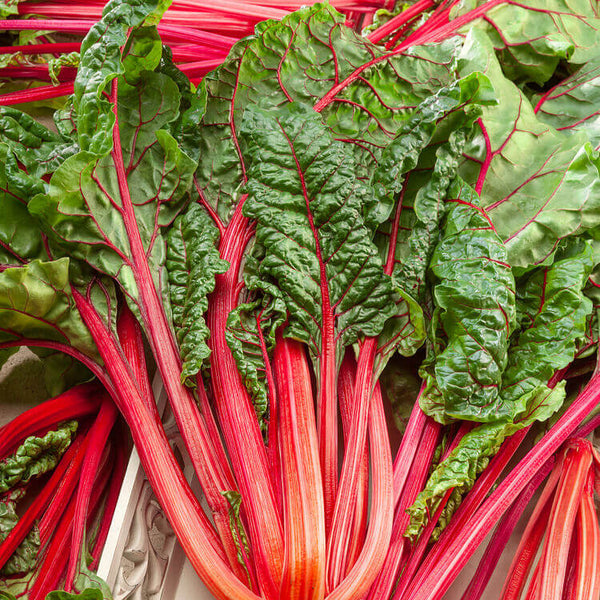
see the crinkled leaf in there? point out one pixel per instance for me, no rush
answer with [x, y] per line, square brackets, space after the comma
[300, 59]
[308, 205]
[36, 456]
[553, 311]
[37, 148]
[84, 207]
[462, 466]
[532, 36]
[475, 296]
[24, 557]
[55, 65]
[104, 59]
[192, 263]
[251, 329]
[537, 185]
[573, 105]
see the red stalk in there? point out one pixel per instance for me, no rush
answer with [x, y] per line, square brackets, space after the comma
[397, 553]
[189, 522]
[237, 418]
[304, 508]
[213, 476]
[343, 517]
[575, 470]
[112, 497]
[97, 440]
[501, 536]
[398, 21]
[587, 575]
[52, 48]
[466, 541]
[76, 403]
[360, 578]
[346, 381]
[36, 94]
[531, 539]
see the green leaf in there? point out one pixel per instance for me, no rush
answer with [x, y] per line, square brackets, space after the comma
[300, 59]
[55, 65]
[36, 456]
[192, 263]
[36, 303]
[251, 329]
[532, 36]
[537, 185]
[84, 207]
[8, 8]
[106, 52]
[303, 193]
[572, 105]
[475, 296]
[237, 528]
[24, 557]
[462, 466]
[553, 312]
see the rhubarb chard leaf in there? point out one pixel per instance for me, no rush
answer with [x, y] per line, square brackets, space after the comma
[308, 205]
[24, 557]
[552, 311]
[474, 296]
[108, 205]
[251, 329]
[300, 59]
[192, 263]
[572, 105]
[532, 36]
[537, 185]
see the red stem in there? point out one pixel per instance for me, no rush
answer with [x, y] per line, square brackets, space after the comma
[173, 492]
[304, 508]
[97, 440]
[76, 403]
[466, 541]
[398, 21]
[237, 417]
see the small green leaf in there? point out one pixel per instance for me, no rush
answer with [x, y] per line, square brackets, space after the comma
[192, 263]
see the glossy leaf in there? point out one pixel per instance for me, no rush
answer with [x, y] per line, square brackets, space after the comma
[102, 61]
[475, 296]
[300, 59]
[572, 105]
[532, 36]
[24, 557]
[537, 185]
[36, 456]
[192, 263]
[303, 193]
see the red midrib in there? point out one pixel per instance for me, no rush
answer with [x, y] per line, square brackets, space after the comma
[327, 424]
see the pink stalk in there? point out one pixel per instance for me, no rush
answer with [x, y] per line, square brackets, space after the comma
[97, 439]
[397, 553]
[345, 505]
[502, 535]
[189, 522]
[36, 94]
[304, 508]
[587, 575]
[575, 470]
[346, 381]
[466, 541]
[237, 417]
[361, 576]
[76, 403]
[53, 48]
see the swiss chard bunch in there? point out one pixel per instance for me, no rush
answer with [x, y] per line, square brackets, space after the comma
[317, 207]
